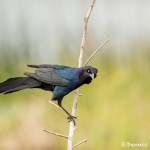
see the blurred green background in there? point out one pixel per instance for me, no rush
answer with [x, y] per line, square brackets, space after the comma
[114, 108]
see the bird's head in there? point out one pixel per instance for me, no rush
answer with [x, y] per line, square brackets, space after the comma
[88, 73]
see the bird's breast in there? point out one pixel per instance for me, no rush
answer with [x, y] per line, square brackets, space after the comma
[60, 91]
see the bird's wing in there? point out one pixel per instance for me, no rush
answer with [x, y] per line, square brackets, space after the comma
[48, 66]
[48, 76]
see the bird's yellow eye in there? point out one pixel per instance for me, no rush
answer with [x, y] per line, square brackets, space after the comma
[88, 71]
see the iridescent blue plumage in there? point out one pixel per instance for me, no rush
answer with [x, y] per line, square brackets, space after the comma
[72, 75]
[59, 79]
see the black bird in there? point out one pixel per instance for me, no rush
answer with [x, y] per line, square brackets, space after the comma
[59, 79]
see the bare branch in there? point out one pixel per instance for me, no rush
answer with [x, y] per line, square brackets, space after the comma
[55, 105]
[95, 52]
[84, 34]
[75, 128]
[79, 143]
[56, 134]
[71, 129]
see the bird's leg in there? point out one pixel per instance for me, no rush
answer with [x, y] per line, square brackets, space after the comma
[70, 117]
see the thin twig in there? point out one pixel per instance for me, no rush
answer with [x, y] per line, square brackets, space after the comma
[71, 129]
[75, 128]
[56, 134]
[55, 105]
[80, 95]
[79, 143]
[84, 34]
[96, 52]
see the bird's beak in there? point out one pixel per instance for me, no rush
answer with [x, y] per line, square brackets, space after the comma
[95, 75]
[92, 76]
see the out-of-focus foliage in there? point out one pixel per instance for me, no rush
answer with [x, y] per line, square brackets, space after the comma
[114, 108]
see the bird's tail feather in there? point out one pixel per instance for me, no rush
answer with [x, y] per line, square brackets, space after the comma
[17, 84]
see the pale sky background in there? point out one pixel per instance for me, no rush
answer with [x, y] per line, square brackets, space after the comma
[46, 24]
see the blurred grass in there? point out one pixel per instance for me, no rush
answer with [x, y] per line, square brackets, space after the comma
[115, 108]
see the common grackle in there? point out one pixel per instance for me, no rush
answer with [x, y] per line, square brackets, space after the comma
[59, 79]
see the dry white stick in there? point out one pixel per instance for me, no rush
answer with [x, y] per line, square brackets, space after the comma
[80, 94]
[79, 143]
[95, 52]
[84, 34]
[71, 129]
[56, 134]
[55, 105]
